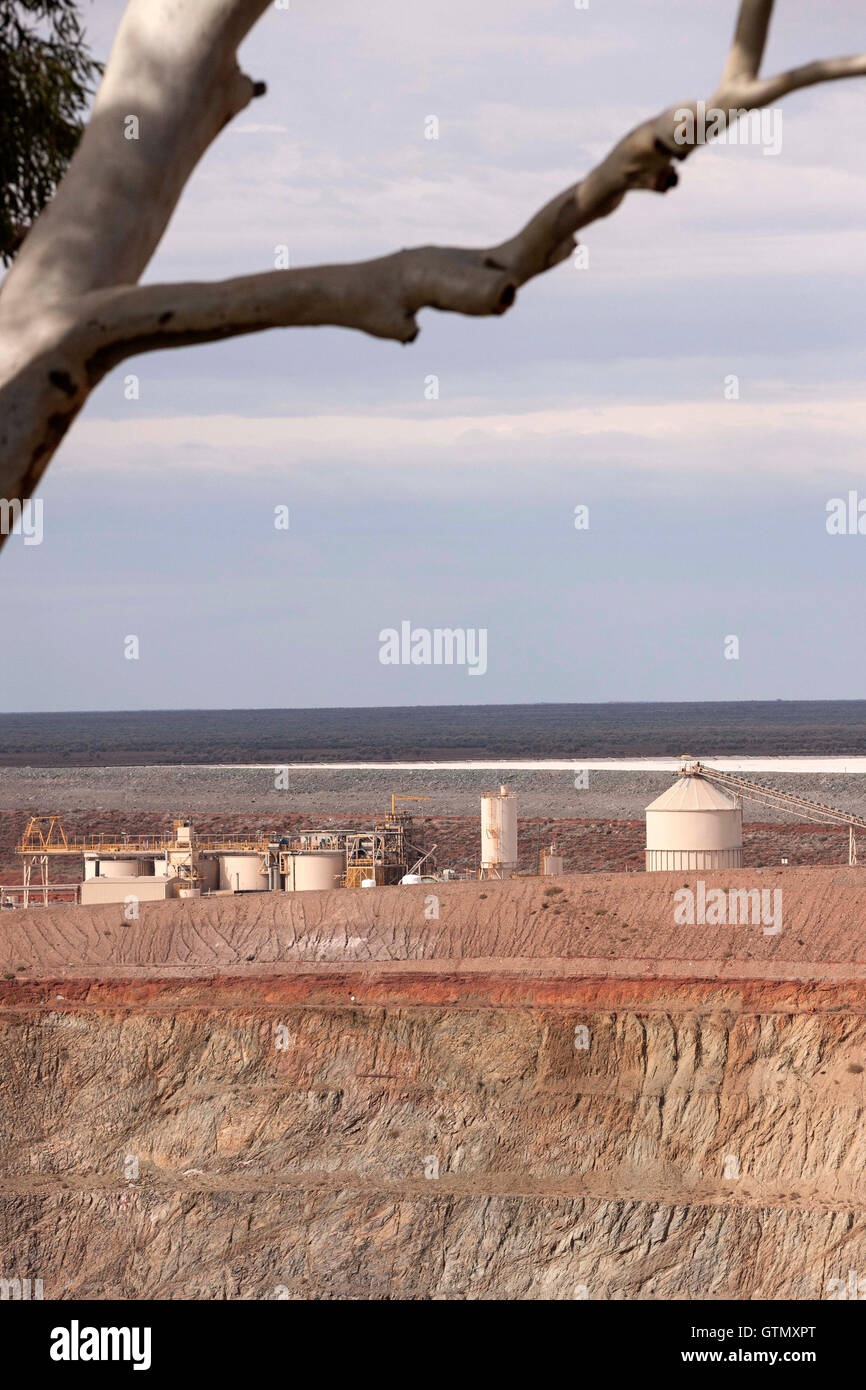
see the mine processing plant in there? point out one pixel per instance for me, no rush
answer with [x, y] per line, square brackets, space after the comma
[377, 857]
[184, 864]
[384, 854]
[156, 867]
[696, 824]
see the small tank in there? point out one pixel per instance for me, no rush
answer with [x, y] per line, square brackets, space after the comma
[314, 869]
[123, 868]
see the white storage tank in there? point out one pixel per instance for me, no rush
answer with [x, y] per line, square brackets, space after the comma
[694, 825]
[123, 868]
[318, 869]
[243, 873]
[552, 862]
[208, 874]
[498, 833]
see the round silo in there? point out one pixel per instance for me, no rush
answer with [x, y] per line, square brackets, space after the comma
[498, 832]
[318, 869]
[694, 825]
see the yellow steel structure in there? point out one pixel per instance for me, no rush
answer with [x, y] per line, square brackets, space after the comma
[45, 839]
[40, 835]
[383, 854]
[36, 840]
[398, 796]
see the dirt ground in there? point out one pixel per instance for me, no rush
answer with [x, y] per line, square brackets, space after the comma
[543, 1090]
[625, 918]
[508, 1090]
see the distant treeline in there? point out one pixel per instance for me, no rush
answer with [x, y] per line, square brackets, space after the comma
[798, 727]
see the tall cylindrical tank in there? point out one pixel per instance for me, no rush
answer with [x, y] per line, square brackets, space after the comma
[694, 825]
[318, 869]
[243, 873]
[499, 831]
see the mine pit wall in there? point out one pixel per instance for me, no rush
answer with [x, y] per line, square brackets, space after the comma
[704, 1137]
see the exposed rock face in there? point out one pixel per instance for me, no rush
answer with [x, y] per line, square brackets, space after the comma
[539, 1094]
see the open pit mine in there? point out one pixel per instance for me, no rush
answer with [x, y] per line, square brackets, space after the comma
[645, 1085]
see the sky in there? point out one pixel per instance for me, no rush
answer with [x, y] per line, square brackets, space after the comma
[697, 386]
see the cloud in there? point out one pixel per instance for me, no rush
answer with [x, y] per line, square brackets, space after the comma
[603, 385]
[431, 453]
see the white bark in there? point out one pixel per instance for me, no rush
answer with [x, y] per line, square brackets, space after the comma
[71, 308]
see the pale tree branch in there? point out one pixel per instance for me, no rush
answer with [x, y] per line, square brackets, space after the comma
[173, 70]
[825, 70]
[71, 309]
[750, 39]
[379, 297]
